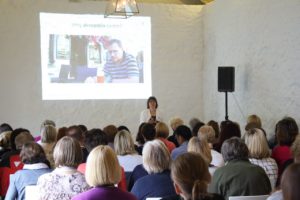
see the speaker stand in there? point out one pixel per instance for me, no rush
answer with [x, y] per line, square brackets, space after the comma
[226, 106]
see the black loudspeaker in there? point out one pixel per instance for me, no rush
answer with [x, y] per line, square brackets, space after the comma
[226, 79]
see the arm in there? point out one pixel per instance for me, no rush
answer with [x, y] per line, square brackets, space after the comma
[12, 190]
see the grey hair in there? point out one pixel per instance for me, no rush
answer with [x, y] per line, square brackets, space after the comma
[234, 149]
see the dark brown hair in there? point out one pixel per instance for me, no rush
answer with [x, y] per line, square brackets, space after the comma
[290, 183]
[32, 153]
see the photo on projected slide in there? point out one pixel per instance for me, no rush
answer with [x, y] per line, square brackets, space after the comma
[92, 57]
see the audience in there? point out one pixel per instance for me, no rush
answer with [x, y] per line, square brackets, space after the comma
[94, 138]
[290, 182]
[215, 126]
[259, 153]
[76, 133]
[110, 131]
[191, 178]
[249, 169]
[228, 129]
[65, 181]
[239, 177]
[182, 135]
[156, 160]
[148, 133]
[102, 173]
[286, 131]
[174, 123]
[127, 155]
[208, 133]
[201, 146]
[35, 165]
[162, 133]
[48, 140]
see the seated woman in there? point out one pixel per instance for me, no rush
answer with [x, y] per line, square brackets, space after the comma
[35, 165]
[156, 161]
[259, 153]
[102, 173]
[162, 133]
[191, 182]
[48, 140]
[202, 147]
[151, 115]
[127, 156]
[65, 181]
[290, 182]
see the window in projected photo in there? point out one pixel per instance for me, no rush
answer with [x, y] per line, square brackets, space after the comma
[92, 57]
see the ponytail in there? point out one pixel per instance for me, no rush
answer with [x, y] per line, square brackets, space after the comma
[199, 189]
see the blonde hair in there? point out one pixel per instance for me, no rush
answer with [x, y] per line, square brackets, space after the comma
[257, 144]
[48, 134]
[175, 122]
[102, 167]
[200, 146]
[123, 143]
[207, 133]
[5, 139]
[296, 149]
[67, 152]
[254, 119]
[156, 157]
[162, 130]
[190, 172]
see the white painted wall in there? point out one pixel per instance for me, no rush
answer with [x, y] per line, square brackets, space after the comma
[177, 43]
[262, 40]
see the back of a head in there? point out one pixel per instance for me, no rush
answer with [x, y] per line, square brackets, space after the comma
[76, 133]
[110, 131]
[196, 128]
[33, 153]
[5, 139]
[148, 132]
[67, 152]
[23, 138]
[215, 126]
[290, 183]
[124, 144]
[234, 149]
[257, 144]
[13, 136]
[255, 120]
[122, 127]
[193, 122]
[102, 167]
[48, 122]
[93, 138]
[286, 131]
[190, 172]
[162, 130]
[207, 133]
[83, 128]
[175, 122]
[139, 137]
[156, 157]
[48, 134]
[184, 132]
[62, 132]
[229, 129]
[200, 146]
[5, 127]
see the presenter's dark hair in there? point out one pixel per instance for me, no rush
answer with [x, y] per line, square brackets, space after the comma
[118, 42]
[152, 98]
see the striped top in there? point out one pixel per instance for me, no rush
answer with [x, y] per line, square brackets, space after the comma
[127, 68]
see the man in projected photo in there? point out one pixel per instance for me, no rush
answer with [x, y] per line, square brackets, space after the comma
[120, 67]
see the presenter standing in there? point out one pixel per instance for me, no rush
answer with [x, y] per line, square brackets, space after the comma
[151, 114]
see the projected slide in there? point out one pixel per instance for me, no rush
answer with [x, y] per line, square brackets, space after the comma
[92, 57]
